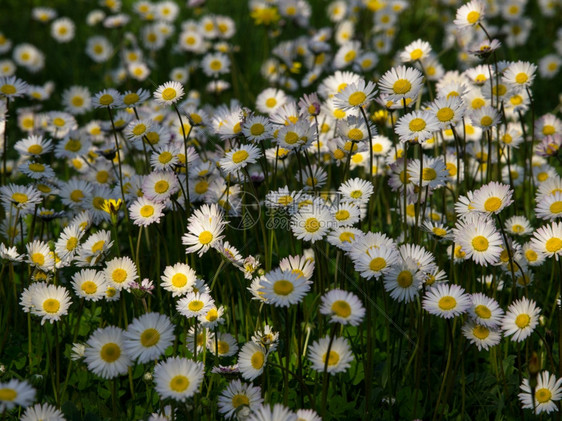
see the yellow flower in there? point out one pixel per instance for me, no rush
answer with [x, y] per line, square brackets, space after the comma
[112, 206]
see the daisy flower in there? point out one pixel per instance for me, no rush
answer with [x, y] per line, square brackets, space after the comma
[343, 307]
[401, 83]
[492, 198]
[403, 281]
[34, 146]
[144, 212]
[482, 336]
[284, 288]
[203, 233]
[470, 14]
[105, 355]
[520, 320]
[39, 412]
[159, 186]
[257, 128]
[195, 304]
[547, 392]
[417, 126]
[148, 336]
[136, 129]
[50, 302]
[434, 173]
[178, 378]
[485, 117]
[356, 190]
[376, 261]
[169, 93]
[239, 158]
[251, 360]
[23, 198]
[178, 279]
[267, 338]
[63, 29]
[12, 87]
[215, 64]
[485, 311]
[237, 395]
[337, 361]
[39, 255]
[548, 240]
[311, 223]
[89, 284]
[120, 272]
[109, 98]
[418, 50]
[15, 392]
[519, 74]
[480, 239]
[549, 207]
[446, 300]
[225, 343]
[449, 111]
[358, 94]
[269, 100]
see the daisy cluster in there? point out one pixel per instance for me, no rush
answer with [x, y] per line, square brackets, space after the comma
[209, 238]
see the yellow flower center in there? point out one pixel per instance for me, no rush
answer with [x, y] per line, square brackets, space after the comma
[8, 89]
[429, 174]
[179, 383]
[350, 55]
[59, 122]
[215, 65]
[212, 315]
[405, 279]
[481, 332]
[357, 98]
[149, 337]
[355, 134]
[238, 400]
[401, 86]
[36, 167]
[416, 54]
[51, 305]
[205, 237]
[556, 207]
[445, 114]
[492, 204]
[71, 243]
[543, 395]
[223, 347]
[168, 94]
[486, 121]
[161, 186]
[98, 246]
[110, 352]
[257, 129]
[270, 102]
[285, 200]
[473, 17]
[195, 305]
[131, 98]
[482, 311]
[76, 195]
[291, 138]
[553, 245]
[312, 225]
[119, 275]
[139, 129]
[342, 215]
[179, 280]
[38, 259]
[333, 359]
[522, 321]
[341, 308]
[548, 130]
[378, 263]
[89, 287]
[480, 243]
[440, 232]
[146, 211]
[283, 287]
[19, 197]
[239, 156]
[35, 149]
[257, 360]
[347, 237]
[521, 78]
[106, 99]
[7, 394]
[417, 124]
[447, 303]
